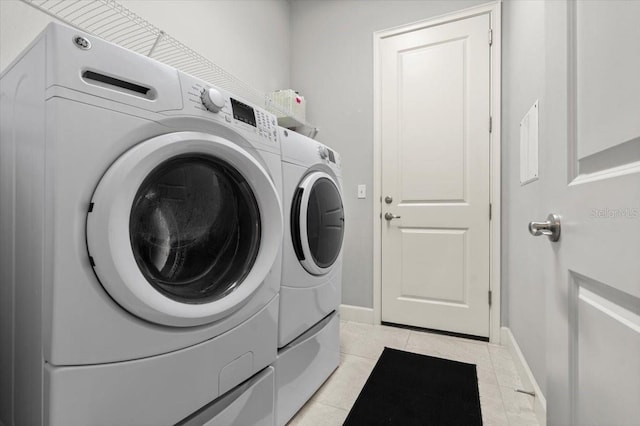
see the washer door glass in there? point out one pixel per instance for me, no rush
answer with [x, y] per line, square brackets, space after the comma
[195, 228]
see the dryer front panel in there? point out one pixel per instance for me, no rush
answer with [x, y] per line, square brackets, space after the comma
[184, 228]
[317, 222]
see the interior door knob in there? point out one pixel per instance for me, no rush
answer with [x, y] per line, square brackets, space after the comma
[550, 228]
[390, 216]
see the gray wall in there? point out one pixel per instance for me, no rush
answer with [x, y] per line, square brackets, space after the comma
[523, 257]
[249, 38]
[332, 66]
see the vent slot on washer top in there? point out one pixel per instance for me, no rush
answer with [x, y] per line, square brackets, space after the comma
[113, 83]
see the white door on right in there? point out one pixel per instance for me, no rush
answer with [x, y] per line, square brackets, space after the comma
[591, 123]
[435, 138]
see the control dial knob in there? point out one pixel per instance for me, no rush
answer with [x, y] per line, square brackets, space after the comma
[212, 99]
[324, 152]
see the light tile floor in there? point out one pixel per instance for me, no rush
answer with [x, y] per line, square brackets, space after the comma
[362, 344]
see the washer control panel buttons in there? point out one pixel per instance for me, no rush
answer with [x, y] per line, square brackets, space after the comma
[266, 124]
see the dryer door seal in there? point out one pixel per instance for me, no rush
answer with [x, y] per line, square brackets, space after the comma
[184, 228]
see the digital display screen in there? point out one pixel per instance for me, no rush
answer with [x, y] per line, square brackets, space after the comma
[332, 157]
[243, 112]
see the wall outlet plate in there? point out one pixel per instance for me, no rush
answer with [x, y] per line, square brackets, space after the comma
[362, 191]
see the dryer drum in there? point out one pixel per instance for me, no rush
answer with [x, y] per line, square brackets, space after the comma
[195, 228]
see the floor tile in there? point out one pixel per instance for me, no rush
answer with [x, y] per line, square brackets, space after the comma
[318, 414]
[493, 413]
[463, 350]
[343, 387]
[368, 341]
[487, 375]
[504, 367]
[522, 419]
[489, 391]
[516, 402]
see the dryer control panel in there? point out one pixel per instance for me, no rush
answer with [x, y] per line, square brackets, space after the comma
[326, 154]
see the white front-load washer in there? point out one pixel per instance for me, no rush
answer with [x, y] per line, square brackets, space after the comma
[141, 241]
[308, 327]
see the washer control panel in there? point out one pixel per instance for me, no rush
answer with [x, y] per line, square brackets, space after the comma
[217, 104]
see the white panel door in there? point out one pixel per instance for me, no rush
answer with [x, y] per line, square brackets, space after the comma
[591, 124]
[435, 171]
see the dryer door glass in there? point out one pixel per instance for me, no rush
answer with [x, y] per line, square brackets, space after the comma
[195, 228]
[325, 222]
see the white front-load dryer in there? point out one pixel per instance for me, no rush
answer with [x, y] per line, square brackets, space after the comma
[314, 230]
[308, 327]
[142, 231]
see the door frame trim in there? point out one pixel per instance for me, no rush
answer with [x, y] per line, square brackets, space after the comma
[493, 9]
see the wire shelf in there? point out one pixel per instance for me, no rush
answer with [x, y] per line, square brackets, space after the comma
[115, 23]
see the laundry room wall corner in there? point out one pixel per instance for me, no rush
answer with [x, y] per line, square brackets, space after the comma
[226, 32]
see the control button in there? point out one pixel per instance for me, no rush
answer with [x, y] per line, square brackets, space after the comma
[212, 99]
[226, 117]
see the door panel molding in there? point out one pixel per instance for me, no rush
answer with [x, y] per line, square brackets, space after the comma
[591, 301]
[603, 163]
[494, 11]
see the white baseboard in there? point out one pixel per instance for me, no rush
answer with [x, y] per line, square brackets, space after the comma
[528, 381]
[356, 314]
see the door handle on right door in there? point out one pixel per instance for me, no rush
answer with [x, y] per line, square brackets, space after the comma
[390, 216]
[550, 228]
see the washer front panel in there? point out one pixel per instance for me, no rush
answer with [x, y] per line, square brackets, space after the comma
[163, 244]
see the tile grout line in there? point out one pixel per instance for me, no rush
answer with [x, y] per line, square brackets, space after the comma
[314, 401]
[360, 356]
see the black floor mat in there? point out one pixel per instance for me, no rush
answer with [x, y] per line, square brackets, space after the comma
[405, 389]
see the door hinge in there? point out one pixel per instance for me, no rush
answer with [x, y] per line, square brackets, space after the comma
[489, 211]
[490, 37]
[490, 294]
[490, 124]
